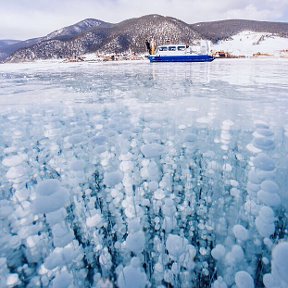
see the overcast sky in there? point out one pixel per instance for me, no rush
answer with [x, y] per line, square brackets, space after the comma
[23, 19]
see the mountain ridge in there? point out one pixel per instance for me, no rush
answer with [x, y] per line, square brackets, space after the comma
[93, 35]
[63, 34]
[209, 29]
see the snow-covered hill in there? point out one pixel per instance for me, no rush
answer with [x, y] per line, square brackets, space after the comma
[92, 35]
[75, 30]
[249, 43]
[50, 41]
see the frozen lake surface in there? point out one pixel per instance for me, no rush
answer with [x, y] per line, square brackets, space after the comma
[144, 175]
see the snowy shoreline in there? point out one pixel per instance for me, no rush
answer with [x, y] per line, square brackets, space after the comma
[39, 62]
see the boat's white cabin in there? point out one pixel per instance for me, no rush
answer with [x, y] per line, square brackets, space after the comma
[170, 49]
[182, 49]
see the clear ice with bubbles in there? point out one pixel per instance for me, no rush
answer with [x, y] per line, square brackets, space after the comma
[142, 175]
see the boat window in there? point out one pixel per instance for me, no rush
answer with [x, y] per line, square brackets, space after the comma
[163, 48]
[181, 48]
[172, 48]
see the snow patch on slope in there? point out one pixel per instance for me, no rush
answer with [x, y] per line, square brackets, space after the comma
[248, 43]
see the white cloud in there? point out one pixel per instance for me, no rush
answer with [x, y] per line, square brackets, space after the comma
[24, 19]
[251, 12]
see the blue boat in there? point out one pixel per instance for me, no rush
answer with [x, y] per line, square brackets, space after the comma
[180, 53]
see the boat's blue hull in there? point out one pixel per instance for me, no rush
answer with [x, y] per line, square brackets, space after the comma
[180, 58]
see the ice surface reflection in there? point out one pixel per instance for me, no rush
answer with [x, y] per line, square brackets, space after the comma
[232, 83]
[155, 175]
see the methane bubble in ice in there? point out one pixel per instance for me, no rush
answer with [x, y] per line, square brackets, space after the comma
[50, 196]
[244, 280]
[132, 277]
[62, 279]
[112, 178]
[152, 150]
[135, 242]
[280, 263]
[269, 193]
[240, 232]
[176, 245]
[263, 162]
[219, 283]
[263, 143]
[13, 160]
[218, 251]
[265, 222]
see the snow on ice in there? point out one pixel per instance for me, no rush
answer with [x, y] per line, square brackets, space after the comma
[121, 175]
